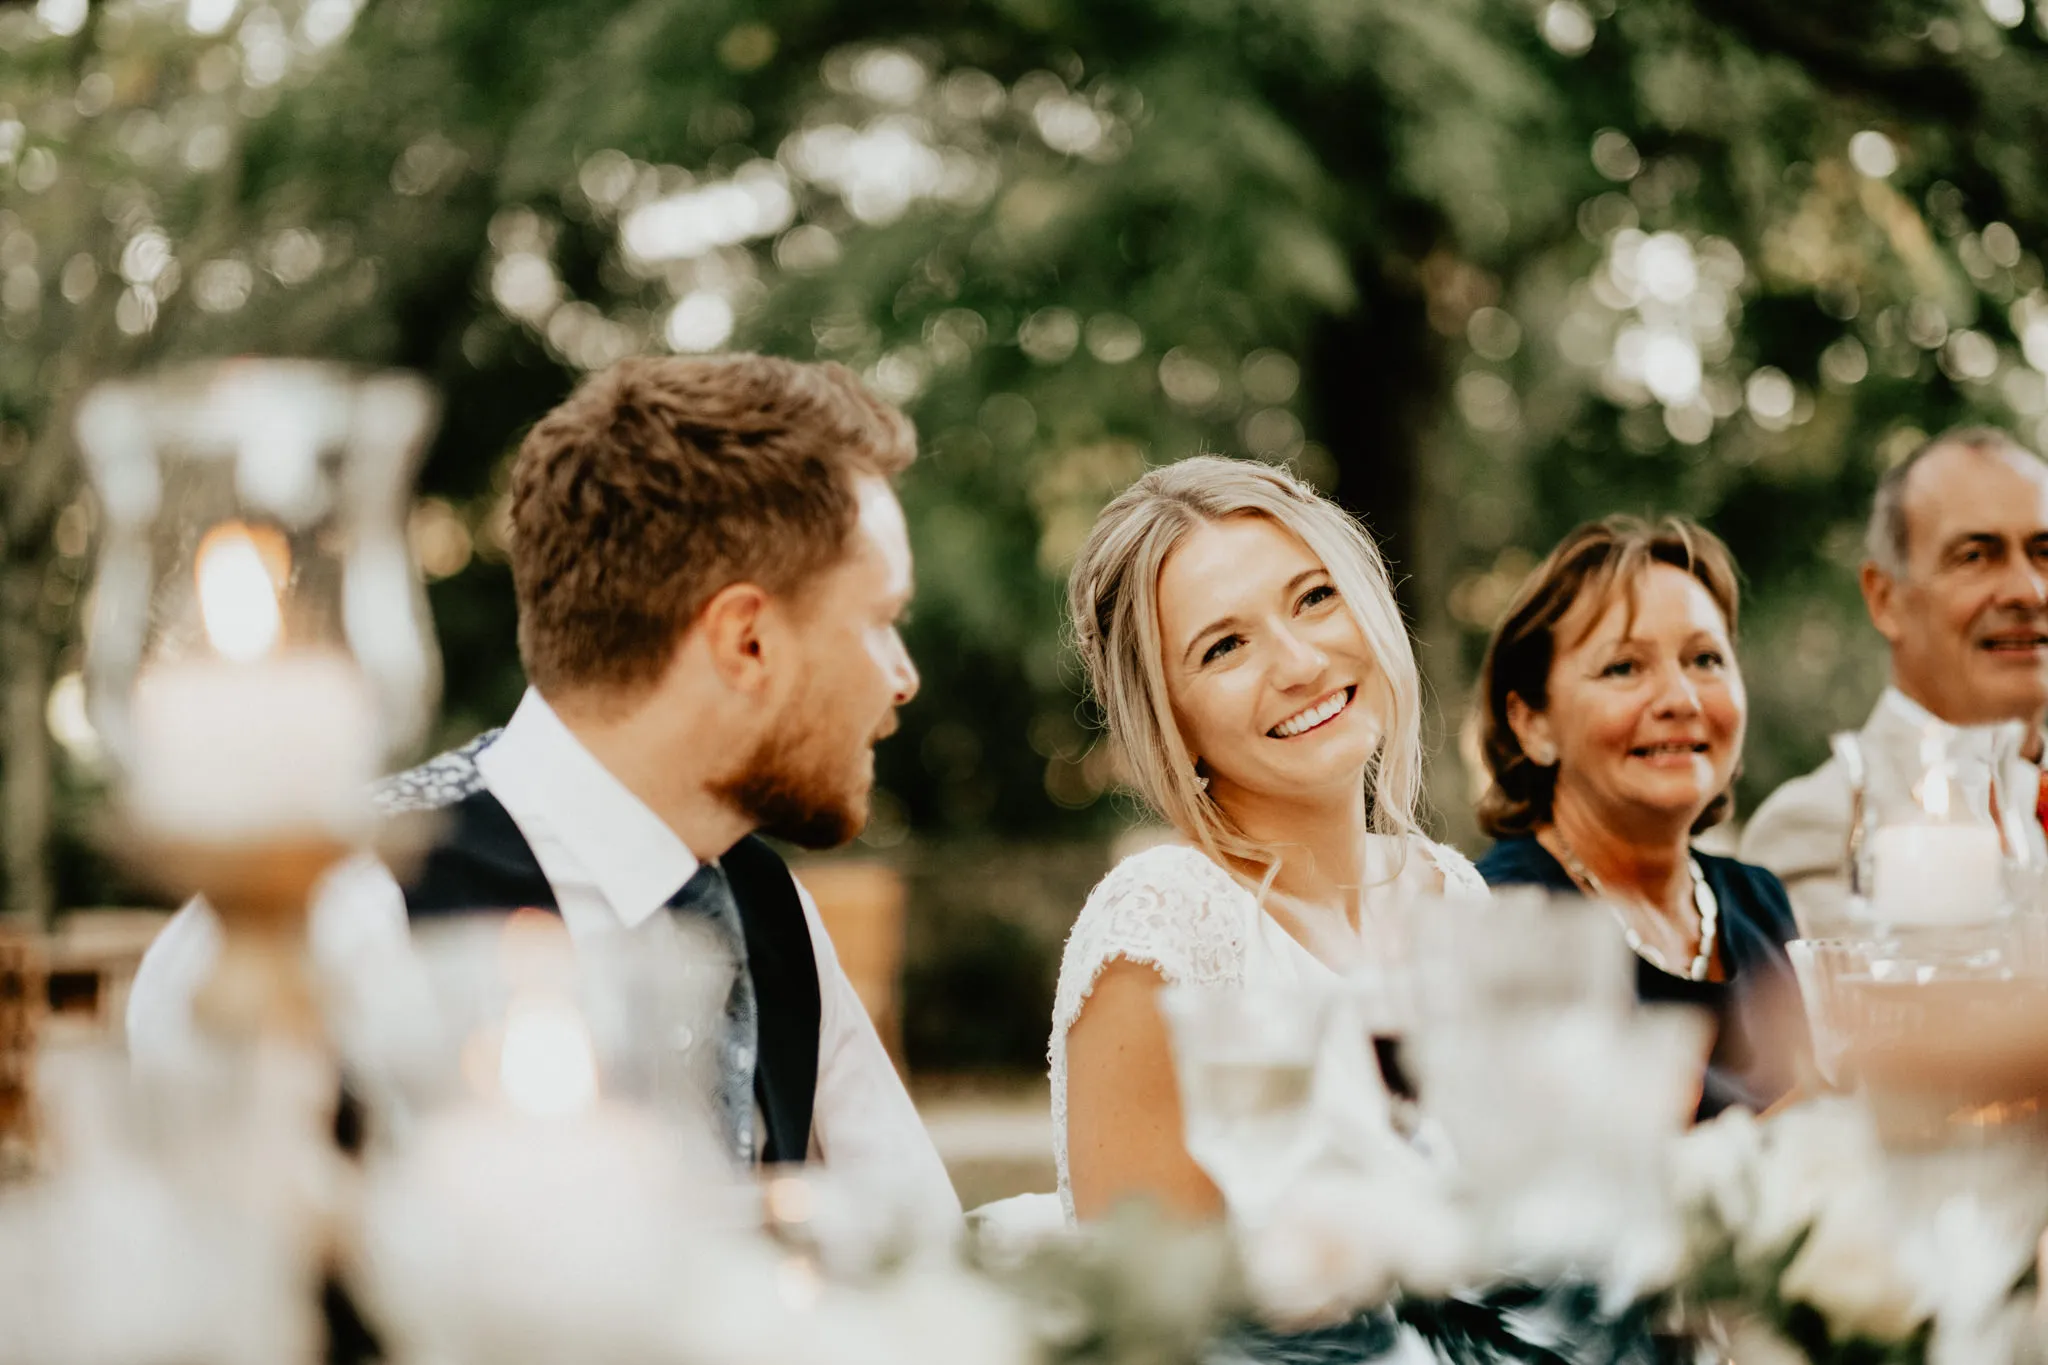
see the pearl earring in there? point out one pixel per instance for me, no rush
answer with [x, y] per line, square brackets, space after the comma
[1543, 756]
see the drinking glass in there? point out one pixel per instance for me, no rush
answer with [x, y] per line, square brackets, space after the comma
[1246, 1062]
[1554, 1092]
[1523, 952]
[1894, 1017]
[505, 1009]
[171, 1221]
[543, 1157]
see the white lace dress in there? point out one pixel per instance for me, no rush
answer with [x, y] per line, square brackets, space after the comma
[1173, 909]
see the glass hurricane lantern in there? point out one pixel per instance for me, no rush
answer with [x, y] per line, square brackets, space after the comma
[258, 645]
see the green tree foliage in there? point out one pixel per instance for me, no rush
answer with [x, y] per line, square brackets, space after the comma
[1481, 267]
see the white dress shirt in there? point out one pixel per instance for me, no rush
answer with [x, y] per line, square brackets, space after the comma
[613, 864]
[1978, 743]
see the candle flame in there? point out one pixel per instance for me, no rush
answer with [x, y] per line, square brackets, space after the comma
[238, 579]
[546, 1066]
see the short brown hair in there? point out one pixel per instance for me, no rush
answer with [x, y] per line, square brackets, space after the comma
[1598, 562]
[662, 480]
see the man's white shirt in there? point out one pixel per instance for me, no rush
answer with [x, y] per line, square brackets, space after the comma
[1976, 745]
[613, 864]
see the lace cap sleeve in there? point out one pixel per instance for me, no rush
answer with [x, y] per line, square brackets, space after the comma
[1460, 877]
[1169, 908]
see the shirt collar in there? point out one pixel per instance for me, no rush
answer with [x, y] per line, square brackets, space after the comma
[1982, 741]
[554, 787]
[1906, 709]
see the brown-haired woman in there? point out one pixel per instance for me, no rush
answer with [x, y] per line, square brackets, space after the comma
[1612, 731]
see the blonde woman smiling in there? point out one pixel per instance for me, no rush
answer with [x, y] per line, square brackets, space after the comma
[1243, 642]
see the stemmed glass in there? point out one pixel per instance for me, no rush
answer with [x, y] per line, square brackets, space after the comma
[165, 1224]
[1556, 1093]
[1246, 1062]
[541, 1156]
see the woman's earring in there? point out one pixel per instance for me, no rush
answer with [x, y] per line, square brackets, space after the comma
[1201, 778]
[1543, 756]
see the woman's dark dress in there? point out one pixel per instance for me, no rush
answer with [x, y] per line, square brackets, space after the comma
[1749, 1065]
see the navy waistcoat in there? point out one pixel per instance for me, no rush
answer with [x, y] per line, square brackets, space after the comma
[482, 862]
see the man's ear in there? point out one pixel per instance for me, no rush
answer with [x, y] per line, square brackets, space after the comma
[738, 630]
[1532, 731]
[1880, 599]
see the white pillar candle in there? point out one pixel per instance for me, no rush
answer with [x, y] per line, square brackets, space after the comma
[231, 752]
[542, 1222]
[254, 739]
[1936, 874]
[500, 1236]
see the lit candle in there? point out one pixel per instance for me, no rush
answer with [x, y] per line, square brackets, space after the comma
[1941, 871]
[251, 740]
[541, 1223]
[1936, 874]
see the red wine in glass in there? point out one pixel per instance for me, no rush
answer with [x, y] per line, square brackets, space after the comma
[1386, 1050]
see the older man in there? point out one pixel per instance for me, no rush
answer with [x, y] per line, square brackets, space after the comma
[1956, 580]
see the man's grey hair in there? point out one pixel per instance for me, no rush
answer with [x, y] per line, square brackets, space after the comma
[1884, 539]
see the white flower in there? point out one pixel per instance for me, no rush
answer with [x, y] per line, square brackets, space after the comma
[749, 1303]
[1965, 1260]
[1850, 1270]
[2003, 1336]
[1884, 1252]
[1714, 1168]
[739, 1304]
[940, 1315]
[1754, 1343]
[1814, 1154]
[1338, 1241]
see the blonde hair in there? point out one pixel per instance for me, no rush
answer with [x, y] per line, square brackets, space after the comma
[1113, 599]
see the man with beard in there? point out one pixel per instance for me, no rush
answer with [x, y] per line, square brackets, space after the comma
[710, 566]
[1956, 580]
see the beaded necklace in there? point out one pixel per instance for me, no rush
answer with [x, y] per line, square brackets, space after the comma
[1704, 904]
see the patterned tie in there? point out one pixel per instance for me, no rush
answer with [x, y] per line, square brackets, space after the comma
[706, 899]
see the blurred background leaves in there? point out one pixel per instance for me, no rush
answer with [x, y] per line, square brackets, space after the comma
[1480, 268]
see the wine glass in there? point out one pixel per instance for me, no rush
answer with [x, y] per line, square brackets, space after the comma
[543, 1160]
[1246, 1062]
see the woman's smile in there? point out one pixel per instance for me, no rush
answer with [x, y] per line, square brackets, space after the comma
[1271, 679]
[1672, 753]
[1646, 706]
[1315, 716]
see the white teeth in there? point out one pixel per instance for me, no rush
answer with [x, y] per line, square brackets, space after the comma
[1314, 716]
